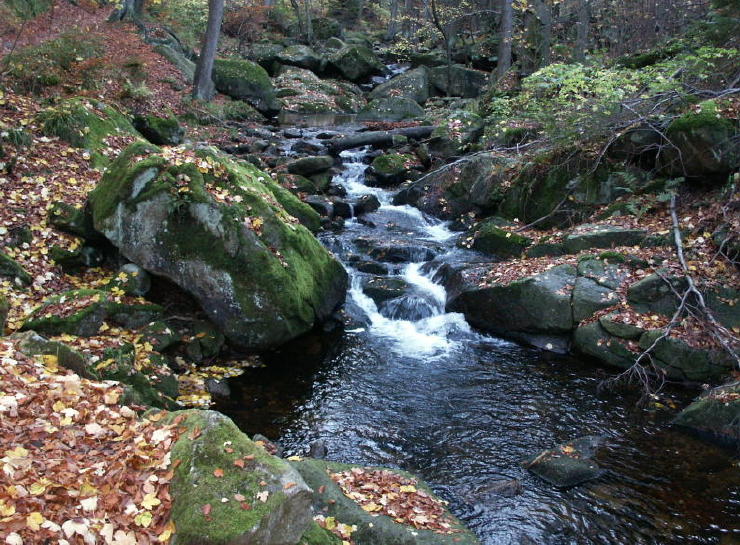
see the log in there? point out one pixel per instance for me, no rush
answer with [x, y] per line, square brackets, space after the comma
[376, 138]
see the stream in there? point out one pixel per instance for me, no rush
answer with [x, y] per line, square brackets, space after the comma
[408, 385]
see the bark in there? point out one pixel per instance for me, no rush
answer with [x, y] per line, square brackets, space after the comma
[582, 30]
[447, 37]
[393, 23]
[203, 87]
[376, 138]
[506, 33]
[129, 10]
[544, 14]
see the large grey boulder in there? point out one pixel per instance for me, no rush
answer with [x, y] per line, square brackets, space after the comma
[356, 63]
[301, 56]
[391, 109]
[413, 85]
[715, 414]
[589, 236]
[226, 233]
[463, 82]
[244, 80]
[253, 498]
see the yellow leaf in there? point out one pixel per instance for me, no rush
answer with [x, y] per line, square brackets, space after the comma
[150, 500]
[6, 509]
[169, 529]
[408, 488]
[370, 507]
[51, 362]
[34, 521]
[331, 523]
[143, 519]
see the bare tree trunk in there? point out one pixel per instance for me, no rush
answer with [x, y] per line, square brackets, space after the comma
[393, 23]
[544, 14]
[203, 87]
[505, 36]
[408, 10]
[447, 37]
[582, 29]
[309, 22]
[129, 9]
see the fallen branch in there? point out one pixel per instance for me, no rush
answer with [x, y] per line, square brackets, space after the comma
[376, 138]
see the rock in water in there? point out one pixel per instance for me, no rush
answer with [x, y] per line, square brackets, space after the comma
[225, 232]
[568, 464]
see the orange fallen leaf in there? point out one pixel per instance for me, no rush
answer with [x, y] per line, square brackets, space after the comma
[218, 472]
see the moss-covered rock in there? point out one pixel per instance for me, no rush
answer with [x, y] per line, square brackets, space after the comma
[567, 465]
[456, 133]
[372, 529]
[389, 169]
[74, 261]
[72, 220]
[162, 131]
[474, 183]
[587, 236]
[303, 91]
[83, 312]
[490, 239]
[307, 166]
[391, 109]
[383, 288]
[131, 280]
[316, 535]
[276, 509]
[161, 335]
[225, 232]
[715, 414]
[85, 123]
[301, 56]
[462, 82]
[4, 308]
[266, 55]
[413, 85]
[244, 80]
[356, 63]
[180, 61]
[325, 28]
[12, 270]
[204, 341]
[701, 145]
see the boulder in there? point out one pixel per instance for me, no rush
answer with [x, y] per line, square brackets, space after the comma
[457, 133]
[413, 85]
[464, 82]
[701, 145]
[203, 342]
[588, 236]
[490, 239]
[388, 169]
[72, 262]
[306, 166]
[391, 109]
[539, 304]
[715, 415]
[323, 206]
[366, 204]
[180, 61]
[383, 288]
[4, 309]
[162, 131]
[244, 80]
[161, 335]
[473, 183]
[395, 251]
[278, 500]
[374, 528]
[301, 56]
[567, 465]
[73, 220]
[326, 28]
[266, 55]
[356, 63]
[12, 270]
[131, 280]
[226, 233]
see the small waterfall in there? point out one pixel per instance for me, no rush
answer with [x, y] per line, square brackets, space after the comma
[415, 322]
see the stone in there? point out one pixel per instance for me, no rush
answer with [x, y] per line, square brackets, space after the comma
[203, 342]
[322, 205]
[388, 169]
[539, 304]
[413, 84]
[266, 55]
[366, 204]
[372, 529]
[132, 280]
[72, 262]
[162, 131]
[620, 329]
[684, 362]
[395, 251]
[588, 236]
[464, 82]
[73, 220]
[391, 109]
[281, 519]
[715, 415]
[302, 91]
[594, 341]
[244, 80]
[383, 288]
[4, 309]
[589, 296]
[356, 63]
[161, 335]
[567, 465]
[180, 61]
[490, 239]
[232, 239]
[456, 134]
[652, 294]
[301, 56]
[342, 209]
[306, 166]
[12, 270]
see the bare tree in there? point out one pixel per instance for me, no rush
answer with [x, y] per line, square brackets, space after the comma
[203, 87]
[582, 30]
[393, 23]
[506, 34]
[129, 9]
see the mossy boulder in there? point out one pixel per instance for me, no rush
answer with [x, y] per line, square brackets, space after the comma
[146, 381]
[74, 261]
[325, 28]
[244, 80]
[462, 82]
[303, 91]
[4, 309]
[413, 85]
[356, 63]
[457, 133]
[301, 56]
[474, 183]
[373, 529]
[73, 220]
[225, 232]
[389, 169]
[180, 61]
[276, 509]
[491, 239]
[567, 465]
[715, 415]
[82, 312]
[595, 341]
[85, 123]
[307, 166]
[131, 280]
[12, 270]
[383, 288]
[539, 304]
[702, 145]
[588, 236]
[391, 109]
[316, 535]
[204, 341]
[162, 131]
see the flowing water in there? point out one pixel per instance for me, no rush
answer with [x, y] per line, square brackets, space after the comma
[408, 385]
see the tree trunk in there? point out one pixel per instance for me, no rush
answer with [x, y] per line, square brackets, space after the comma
[408, 10]
[542, 10]
[582, 28]
[129, 9]
[506, 33]
[444, 30]
[393, 23]
[203, 87]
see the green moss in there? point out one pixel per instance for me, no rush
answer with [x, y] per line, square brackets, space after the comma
[28, 9]
[707, 119]
[390, 164]
[4, 308]
[194, 484]
[490, 239]
[715, 414]
[85, 124]
[9, 268]
[316, 535]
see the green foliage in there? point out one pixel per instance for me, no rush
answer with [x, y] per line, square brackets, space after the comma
[28, 9]
[33, 68]
[187, 17]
